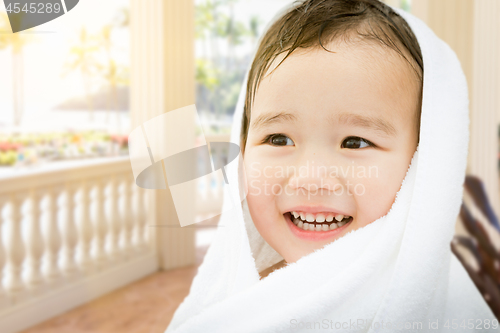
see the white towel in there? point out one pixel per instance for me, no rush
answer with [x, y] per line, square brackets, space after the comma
[398, 269]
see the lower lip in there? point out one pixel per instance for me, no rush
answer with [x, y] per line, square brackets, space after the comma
[312, 235]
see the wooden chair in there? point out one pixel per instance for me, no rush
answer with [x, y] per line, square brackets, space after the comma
[487, 277]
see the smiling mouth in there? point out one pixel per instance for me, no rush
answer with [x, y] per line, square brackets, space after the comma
[306, 224]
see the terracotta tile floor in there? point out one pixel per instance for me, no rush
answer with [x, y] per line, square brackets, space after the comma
[145, 306]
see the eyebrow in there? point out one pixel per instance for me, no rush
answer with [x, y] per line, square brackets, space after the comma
[374, 123]
[369, 122]
[265, 120]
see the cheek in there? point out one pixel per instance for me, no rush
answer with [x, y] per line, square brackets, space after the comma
[260, 210]
[262, 182]
[262, 207]
[375, 191]
[261, 199]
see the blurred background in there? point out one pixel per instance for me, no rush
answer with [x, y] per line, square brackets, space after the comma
[82, 248]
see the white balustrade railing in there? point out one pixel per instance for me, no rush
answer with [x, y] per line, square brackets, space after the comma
[70, 232]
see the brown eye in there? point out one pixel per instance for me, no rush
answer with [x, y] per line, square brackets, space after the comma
[280, 140]
[355, 142]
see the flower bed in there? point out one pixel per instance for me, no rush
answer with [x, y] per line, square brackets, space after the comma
[34, 148]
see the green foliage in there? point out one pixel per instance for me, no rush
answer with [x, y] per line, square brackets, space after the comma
[219, 73]
[207, 74]
[91, 55]
[122, 18]
[204, 19]
[82, 55]
[254, 23]
[230, 89]
[15, 41]
[405, 5]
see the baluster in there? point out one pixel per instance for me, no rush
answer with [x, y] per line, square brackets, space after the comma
[146, 231]
[214, 180]
[120, 209]
[222, 154]
[52, 235]
[113, 221]
[207, 181]
[140, 218]
[3, 294]
[34, 242]
[85, 228]
[68, 232]
[100, 224]
[127, 218]
[14, 248]
[204, 182]
[149, 233]
[137, 219]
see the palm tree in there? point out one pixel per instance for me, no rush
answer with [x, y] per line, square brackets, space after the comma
[122, 19]
[107, 70]
[16, 43]
[114, 75]
[254, 24]
[205, 24]
[213, 24]
[405, 5]
[82, 59]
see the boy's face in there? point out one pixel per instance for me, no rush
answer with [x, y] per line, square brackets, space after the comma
[316, 111]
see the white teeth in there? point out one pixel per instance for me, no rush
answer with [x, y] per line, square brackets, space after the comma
[300, 218]
[309, 217]
[320, 218]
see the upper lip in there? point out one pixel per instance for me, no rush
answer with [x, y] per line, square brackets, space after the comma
[316, 209]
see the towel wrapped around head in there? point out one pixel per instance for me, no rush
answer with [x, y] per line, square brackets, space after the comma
[396, 273]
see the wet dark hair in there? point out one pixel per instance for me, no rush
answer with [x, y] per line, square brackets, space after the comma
[308, 21]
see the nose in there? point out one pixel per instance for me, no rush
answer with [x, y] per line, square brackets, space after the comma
[315, 176]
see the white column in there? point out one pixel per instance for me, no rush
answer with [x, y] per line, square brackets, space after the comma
[483, 152]
[472, 29]
[453, 22]
[393, 3]
[163, 72]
